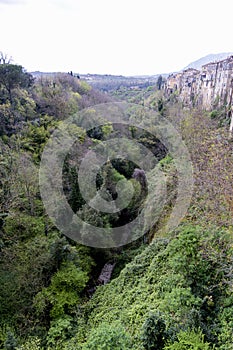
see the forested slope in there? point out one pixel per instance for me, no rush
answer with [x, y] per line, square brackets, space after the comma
[169, 290]
[177, 294]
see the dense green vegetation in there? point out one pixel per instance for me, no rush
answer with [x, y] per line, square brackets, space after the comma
[169, 290]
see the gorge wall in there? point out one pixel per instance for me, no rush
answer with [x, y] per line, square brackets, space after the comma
[210, 88]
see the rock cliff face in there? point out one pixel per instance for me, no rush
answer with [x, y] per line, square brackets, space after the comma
[209, 88]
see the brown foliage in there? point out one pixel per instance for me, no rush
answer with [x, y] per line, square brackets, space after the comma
[211, 152]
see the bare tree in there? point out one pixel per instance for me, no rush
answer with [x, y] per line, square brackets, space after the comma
[4, 58]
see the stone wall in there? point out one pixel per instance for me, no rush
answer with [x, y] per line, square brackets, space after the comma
[209, 88]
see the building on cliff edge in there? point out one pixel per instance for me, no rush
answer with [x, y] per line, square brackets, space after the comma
[209, 88]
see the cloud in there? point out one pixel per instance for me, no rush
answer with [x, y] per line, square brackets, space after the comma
[12, 2]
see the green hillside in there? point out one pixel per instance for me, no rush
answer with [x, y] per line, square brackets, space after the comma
[169, 290]
[176, 287]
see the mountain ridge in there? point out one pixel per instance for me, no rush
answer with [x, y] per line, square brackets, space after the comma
[207, 59]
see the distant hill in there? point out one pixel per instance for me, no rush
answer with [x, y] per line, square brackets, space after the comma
[113, 82]
[107, 82]
[209, 58]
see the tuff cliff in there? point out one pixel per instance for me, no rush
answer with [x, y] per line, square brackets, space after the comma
[211, 87]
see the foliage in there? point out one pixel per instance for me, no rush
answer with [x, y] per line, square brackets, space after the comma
[10, 342]
[175, 293]
[189, 340]
[63, 292]
[159, 280]
[16, 104]
[59, 330]
[56, 97]
[62, 95]
[225, 335]
[221, 115]
[35, 136]
[33, 343]
[154, 332]
[24, 268]
[22, 226]
[166, 161]
[108, 337]
[12, 76]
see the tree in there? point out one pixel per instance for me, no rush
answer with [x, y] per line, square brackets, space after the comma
[13, 76]
[154, 332]
[4, 58]
[159, 82]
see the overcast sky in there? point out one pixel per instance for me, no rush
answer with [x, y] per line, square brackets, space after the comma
[128, 37]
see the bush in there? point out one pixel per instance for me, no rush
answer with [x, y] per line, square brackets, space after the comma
[63, 293]
[214, 114]
[108, 337]
[154, 332]
[189, 340]
[11, 342]
[59, 331]
[33, 343]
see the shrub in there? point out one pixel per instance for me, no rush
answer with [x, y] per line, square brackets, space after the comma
[108, 337]
[189, 340]
[10, 342]
[154, 332]
[33, 343]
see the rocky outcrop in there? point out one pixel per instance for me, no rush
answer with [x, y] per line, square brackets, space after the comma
[106, 273]
[209, 88]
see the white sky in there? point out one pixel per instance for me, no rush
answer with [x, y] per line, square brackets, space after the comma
[128, 37]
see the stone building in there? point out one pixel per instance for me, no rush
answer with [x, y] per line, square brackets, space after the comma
[188, 86]
[216, 84]
[172, 83]
[209, 88]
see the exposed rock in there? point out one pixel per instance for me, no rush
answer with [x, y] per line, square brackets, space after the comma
[139, 175]
[106, 273]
